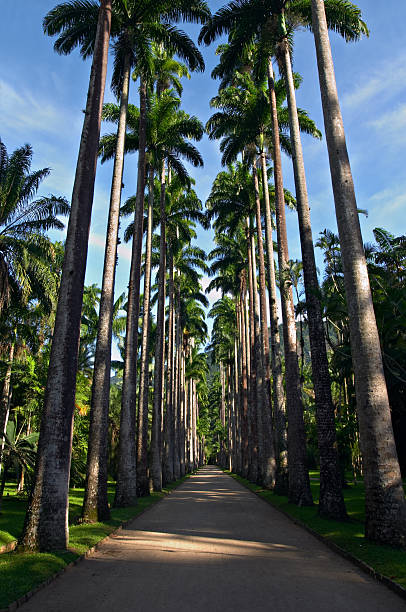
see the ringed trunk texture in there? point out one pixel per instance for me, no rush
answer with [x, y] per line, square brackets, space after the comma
[299, 484]
[95, 503]
[279, 409]
[385, 508]
[126, 488]
[156, 463]
[46, 523]
[143, 393]
[331, 502]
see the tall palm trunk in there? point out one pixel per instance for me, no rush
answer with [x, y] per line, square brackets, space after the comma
[244, 386]
[156, 463]
[46, 523]
[126, 488]
[168, 466]
[143, 393]
[253, 384]
[223, 450]
[259, 406]
[5, 400]
[175, 392]
[280, 430]
[299, 484]
[384, 496]
[95, 503]
[331, 502]
[269, 463]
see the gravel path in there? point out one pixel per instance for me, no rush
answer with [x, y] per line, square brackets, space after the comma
[213, 546]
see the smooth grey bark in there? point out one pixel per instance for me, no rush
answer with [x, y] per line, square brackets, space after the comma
[95, 503]
[279, 409]
[156, 438]
[268, 460]
[331, 501]
[143, 393]
[253, 385]
[126, 487]
[385, 508]
[46, 523]
[176, 383]
[299, 484]
[244, 385]
[5, 400]
[169, 427]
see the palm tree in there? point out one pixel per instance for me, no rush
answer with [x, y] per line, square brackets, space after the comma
[25, 252]
[384, 497]
[46, 525]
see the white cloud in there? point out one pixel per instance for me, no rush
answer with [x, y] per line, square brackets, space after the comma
[99, 242]
[214, 294]
[384, 82]
[392, 125]
[22, 111]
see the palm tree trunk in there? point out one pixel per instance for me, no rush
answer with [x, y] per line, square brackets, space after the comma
[244, 388]
[331, 502]
[126, 488]
[168, 467]
[280, 430]
[253, 384]
[269, 462]
[143, 393]
[175, 390]
[5, 400]
[95, 503]
[156, 463]
[46, 523]
[385, 508]
[299, 484]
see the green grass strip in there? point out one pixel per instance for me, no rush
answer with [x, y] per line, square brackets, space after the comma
[20, 573]
[348, 535]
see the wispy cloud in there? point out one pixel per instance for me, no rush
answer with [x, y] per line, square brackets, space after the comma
[22, 111]
[392, 125]
[385, 82]
[214, 294]
[98, 241]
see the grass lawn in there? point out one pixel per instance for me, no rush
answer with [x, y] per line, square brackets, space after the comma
[22, 572]
[390, 562]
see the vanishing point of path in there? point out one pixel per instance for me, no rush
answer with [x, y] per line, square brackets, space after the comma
[213, 546]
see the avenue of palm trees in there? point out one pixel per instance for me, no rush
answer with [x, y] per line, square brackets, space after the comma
[270, 393]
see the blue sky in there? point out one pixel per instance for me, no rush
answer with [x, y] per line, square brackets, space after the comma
[42, 96]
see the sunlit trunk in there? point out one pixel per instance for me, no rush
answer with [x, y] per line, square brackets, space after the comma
[143, 393]
[331, 501]
[5, 401]
[156, 438]
[268, 460]
[279, 409]
[95, 503]
[385, 508]
[46, 523]
[126, 487]
[299, 484]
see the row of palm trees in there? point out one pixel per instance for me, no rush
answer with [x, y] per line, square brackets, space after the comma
[258, 33]
[252, 122]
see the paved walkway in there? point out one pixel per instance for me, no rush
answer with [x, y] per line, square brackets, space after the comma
[213, 546]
